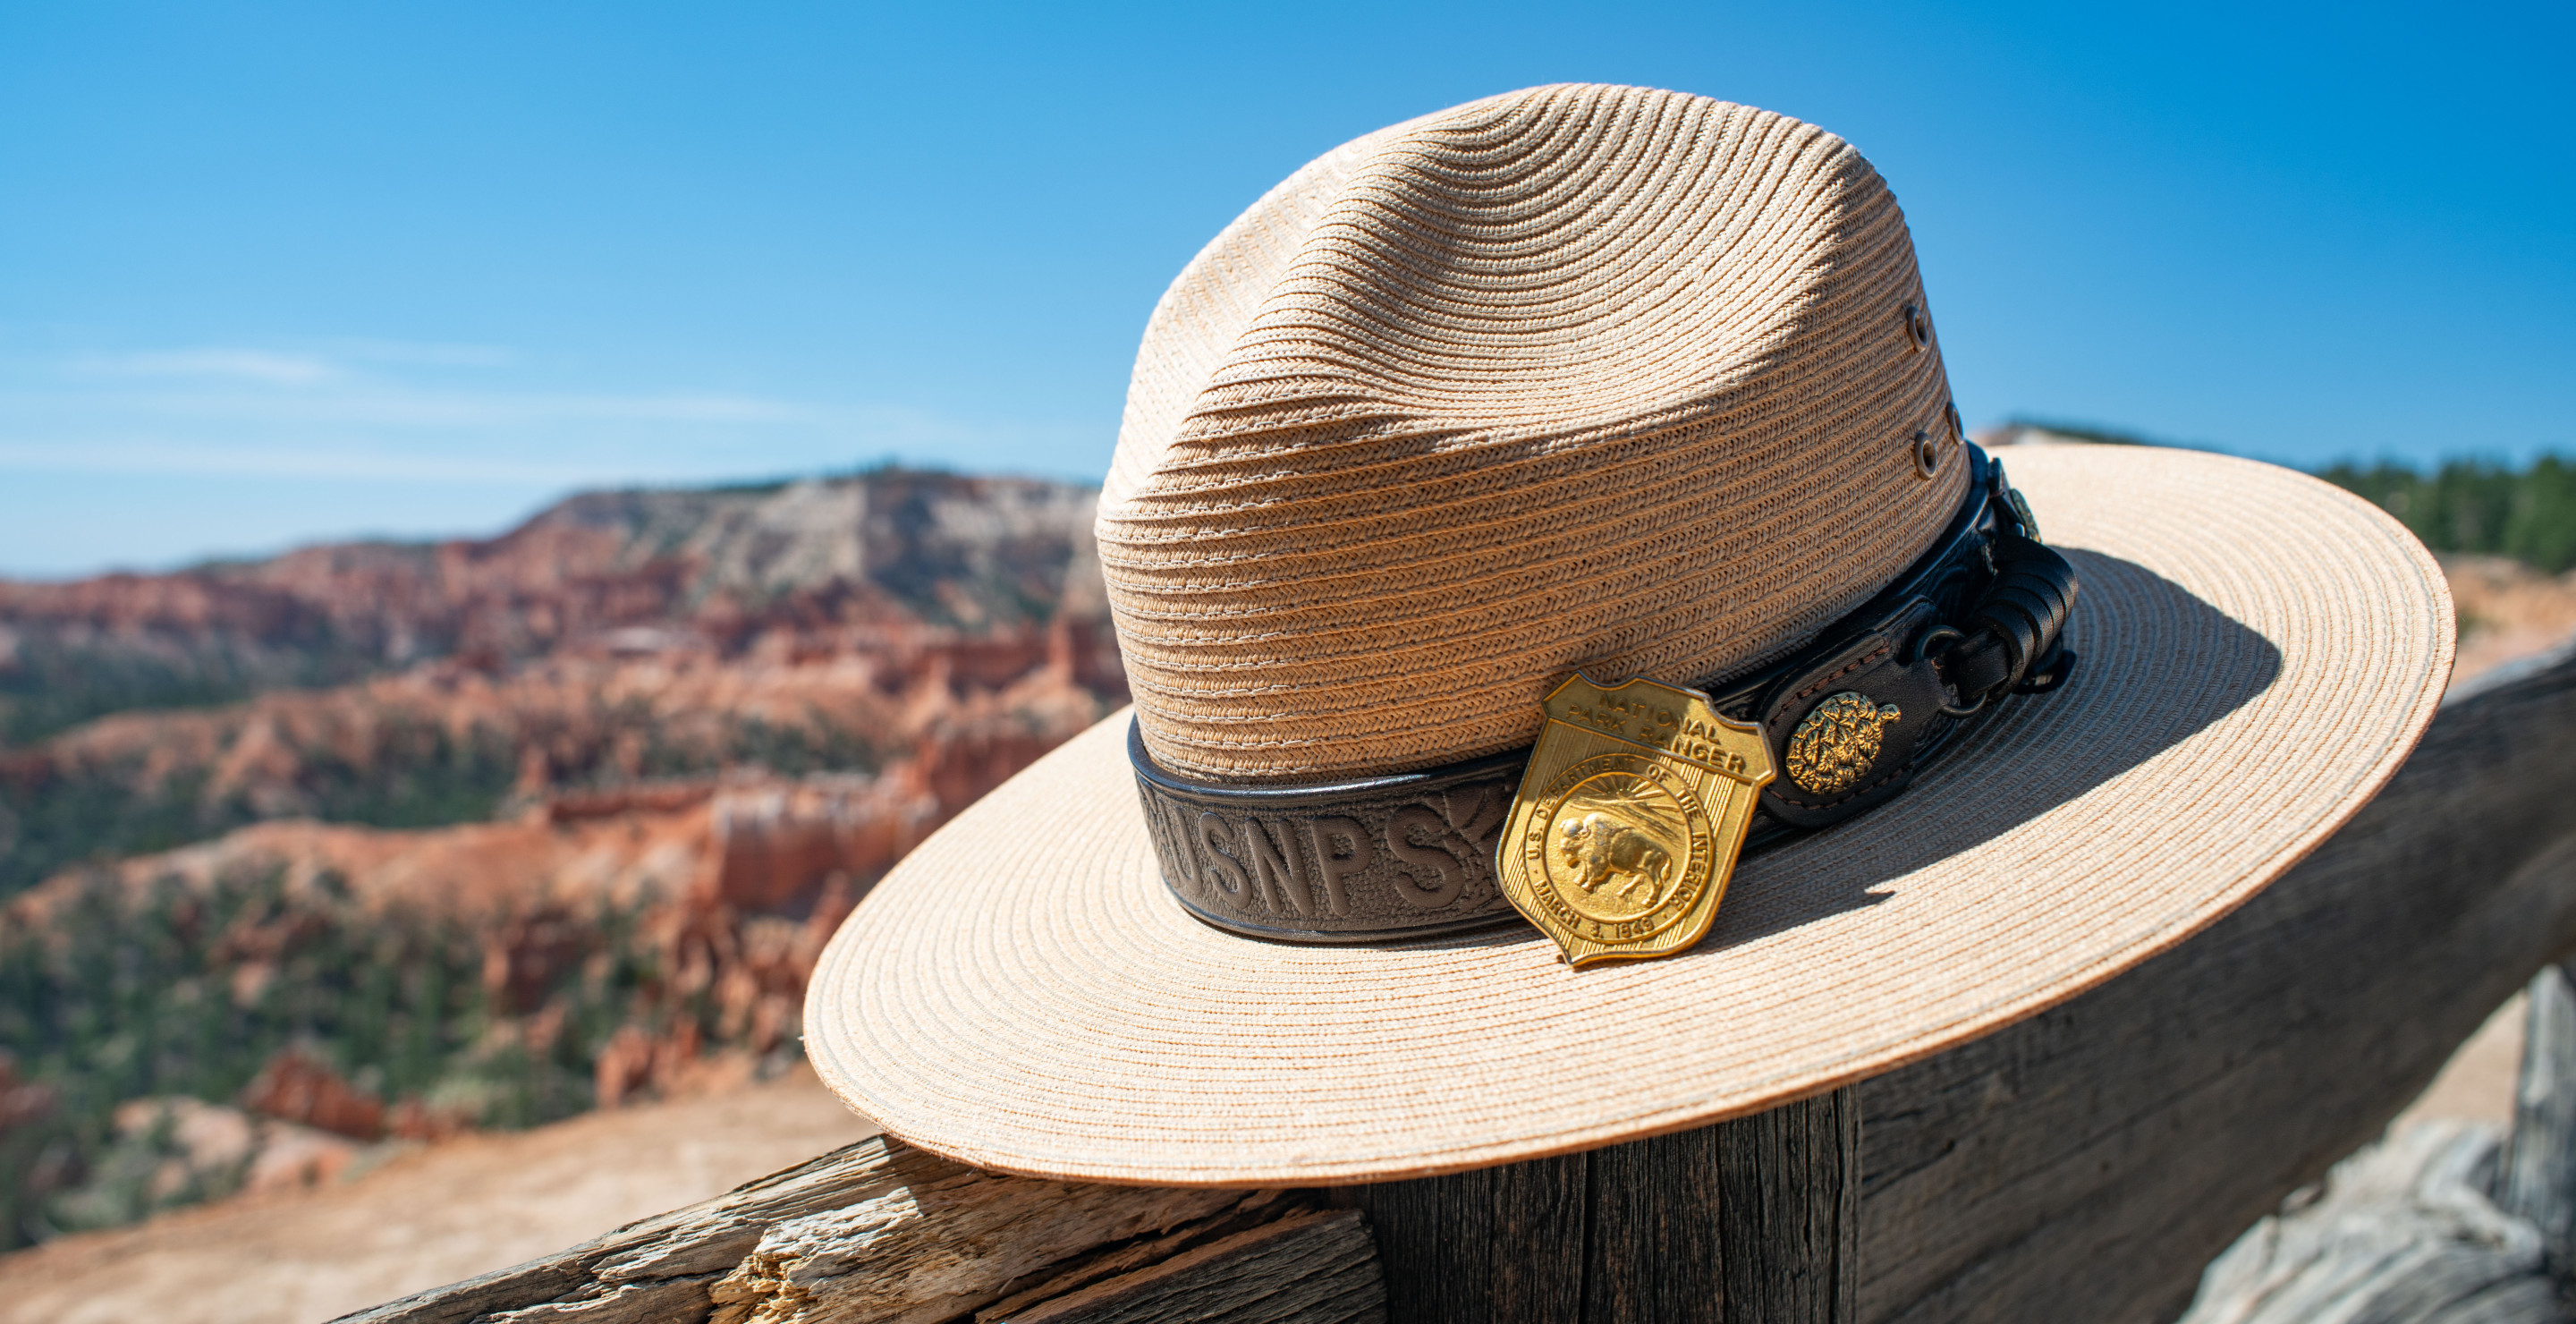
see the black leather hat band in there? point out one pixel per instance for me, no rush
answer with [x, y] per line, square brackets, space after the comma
[1411, 855]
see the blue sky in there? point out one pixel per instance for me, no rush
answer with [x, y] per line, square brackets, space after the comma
[277, 272]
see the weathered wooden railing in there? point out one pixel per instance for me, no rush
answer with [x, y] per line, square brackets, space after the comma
[2084, 1164]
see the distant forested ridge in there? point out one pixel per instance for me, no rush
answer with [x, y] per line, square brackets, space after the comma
[2481, 506]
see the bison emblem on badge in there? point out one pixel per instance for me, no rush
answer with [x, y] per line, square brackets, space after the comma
[1600, 848]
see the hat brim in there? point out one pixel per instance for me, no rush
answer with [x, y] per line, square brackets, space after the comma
[2259, 651]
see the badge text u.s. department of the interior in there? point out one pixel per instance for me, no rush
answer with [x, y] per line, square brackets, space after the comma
[1629, 818]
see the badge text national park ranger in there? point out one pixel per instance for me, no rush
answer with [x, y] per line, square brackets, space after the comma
[1629, 818]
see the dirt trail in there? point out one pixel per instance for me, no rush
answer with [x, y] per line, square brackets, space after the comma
[434, 1216]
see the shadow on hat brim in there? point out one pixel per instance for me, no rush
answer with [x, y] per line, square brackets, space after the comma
[2260, 652]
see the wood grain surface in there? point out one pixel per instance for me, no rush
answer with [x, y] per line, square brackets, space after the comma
[2088, 1162]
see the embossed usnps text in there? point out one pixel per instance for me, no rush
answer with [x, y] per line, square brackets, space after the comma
[1629, 818]
[1399, 858]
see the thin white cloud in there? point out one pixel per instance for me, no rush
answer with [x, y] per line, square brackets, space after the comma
[123, 458]
[396, 406]
[356, 383]
[381, 404]
[425, 354]
[268, 367]
[391, 412]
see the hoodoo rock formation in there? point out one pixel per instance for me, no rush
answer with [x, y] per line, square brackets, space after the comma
[387, 841]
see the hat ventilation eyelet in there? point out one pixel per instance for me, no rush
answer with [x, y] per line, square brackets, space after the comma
[1918, 326]
[1927, 455]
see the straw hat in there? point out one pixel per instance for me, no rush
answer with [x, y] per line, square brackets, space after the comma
[1623, 383]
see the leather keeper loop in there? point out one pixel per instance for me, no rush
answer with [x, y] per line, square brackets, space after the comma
[2025, 609]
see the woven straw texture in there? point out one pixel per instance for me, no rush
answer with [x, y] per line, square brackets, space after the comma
[2260, 651]
[1578, 376]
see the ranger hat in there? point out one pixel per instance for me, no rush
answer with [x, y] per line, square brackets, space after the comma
[1541, 535]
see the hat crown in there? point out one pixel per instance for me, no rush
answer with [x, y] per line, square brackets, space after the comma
[1577, 377]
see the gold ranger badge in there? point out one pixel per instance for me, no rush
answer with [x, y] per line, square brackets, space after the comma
[1629, 818]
